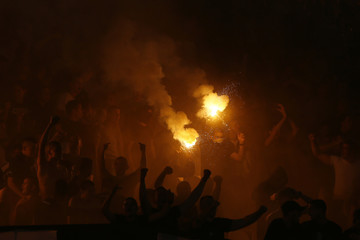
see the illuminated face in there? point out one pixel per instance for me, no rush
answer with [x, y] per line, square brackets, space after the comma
[218, 137]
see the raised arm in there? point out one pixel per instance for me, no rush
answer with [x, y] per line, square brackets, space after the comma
[106, 208]
[196, 193]
[41, 159]
[246, 221]
[143, 160]
[277, 127]
[144, 201]
[218, 181]
[160, 179]
[322, 157]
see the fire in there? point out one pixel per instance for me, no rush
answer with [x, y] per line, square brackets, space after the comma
[177, 122]
[213, 104]
[189, 144]
[187, 137]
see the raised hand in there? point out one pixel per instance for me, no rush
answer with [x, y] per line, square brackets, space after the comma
[280, 108]
[207, 174]
[106, 146]
[168, 170]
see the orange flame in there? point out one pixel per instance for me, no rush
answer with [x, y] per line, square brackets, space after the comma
[213, 104]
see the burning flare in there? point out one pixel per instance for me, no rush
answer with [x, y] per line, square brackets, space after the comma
[212, 102]
[176, 122]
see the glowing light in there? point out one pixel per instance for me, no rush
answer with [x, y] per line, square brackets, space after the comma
[213, 104]
[189, 144]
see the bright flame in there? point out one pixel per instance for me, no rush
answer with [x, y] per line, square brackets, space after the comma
[189, 145]
[212, 102]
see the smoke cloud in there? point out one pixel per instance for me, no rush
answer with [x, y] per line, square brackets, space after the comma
[137, 61]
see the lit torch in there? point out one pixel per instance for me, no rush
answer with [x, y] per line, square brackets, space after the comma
[212, 102]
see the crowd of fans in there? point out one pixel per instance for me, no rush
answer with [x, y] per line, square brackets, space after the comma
[70, 152]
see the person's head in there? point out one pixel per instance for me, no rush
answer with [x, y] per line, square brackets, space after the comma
[74, 110]
[183, 190]
[29, 187]
[87, 189]
[317, 209]
[208, 206]
[163, 196]
[291, 211]
[130, 206]
[54, 151]
[218, 136]
[28, 147]
[121, 166]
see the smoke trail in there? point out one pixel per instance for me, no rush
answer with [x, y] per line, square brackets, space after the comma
[136, 61]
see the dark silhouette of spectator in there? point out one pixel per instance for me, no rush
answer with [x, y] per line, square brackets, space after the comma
[22, 166]
[287, 227]
[210, 227]
[130, 216]
[347, 175]
[127, 182]
[319, 226]
[49, 168]
[80, 172]
[164, 217]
